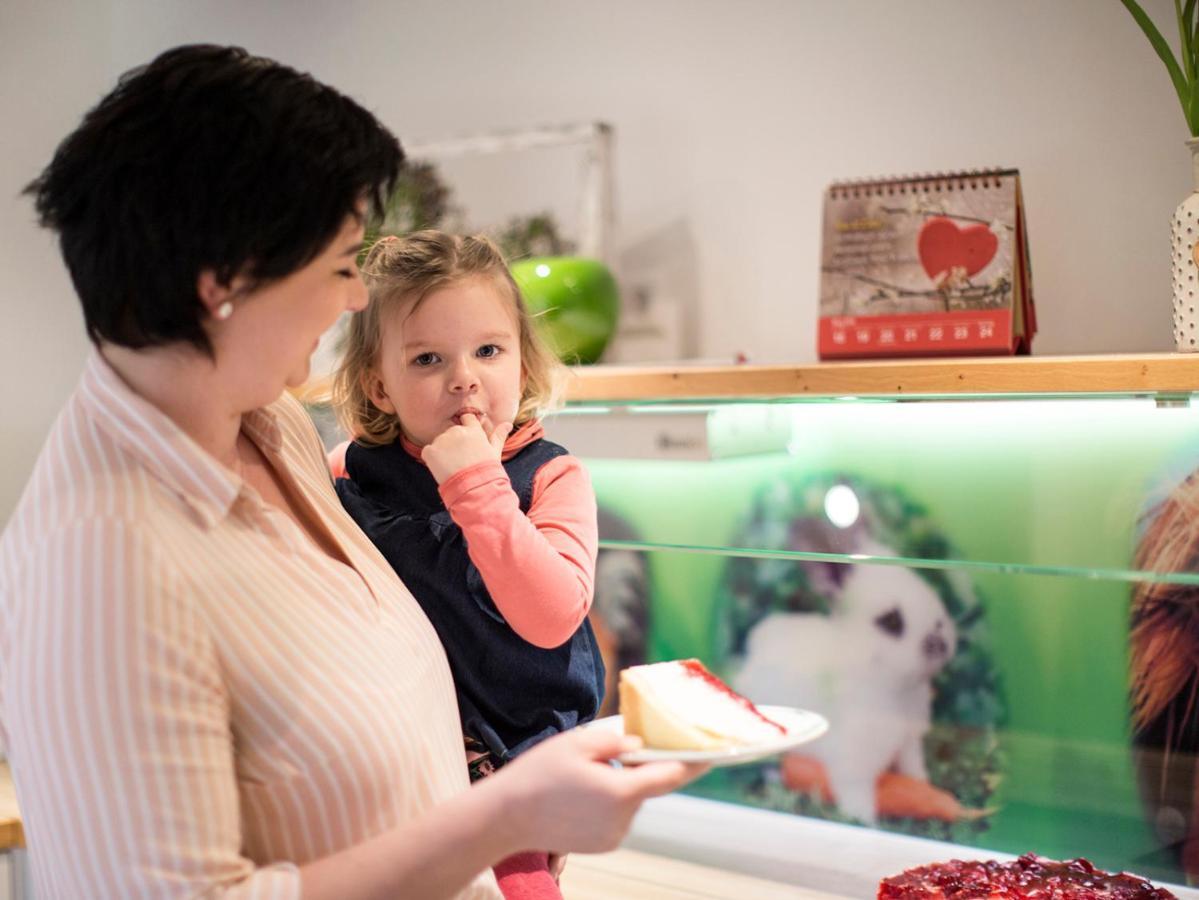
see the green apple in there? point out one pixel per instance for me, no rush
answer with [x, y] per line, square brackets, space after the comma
[574, 303]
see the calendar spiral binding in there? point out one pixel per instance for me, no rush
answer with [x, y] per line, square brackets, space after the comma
[930, 182]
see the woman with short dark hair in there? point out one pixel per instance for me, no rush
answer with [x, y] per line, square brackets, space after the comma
[210, 681]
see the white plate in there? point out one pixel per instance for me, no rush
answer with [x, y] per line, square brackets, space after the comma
[802, 726]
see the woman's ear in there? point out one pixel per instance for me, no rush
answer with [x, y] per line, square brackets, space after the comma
[376, 392]
[216, 297]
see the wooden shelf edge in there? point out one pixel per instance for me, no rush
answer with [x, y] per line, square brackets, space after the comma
[1107, 374]
[1124, 373]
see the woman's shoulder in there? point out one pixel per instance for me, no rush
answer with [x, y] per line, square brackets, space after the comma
[81, 479]
[85, 547]
[298, 434]
[293, 419]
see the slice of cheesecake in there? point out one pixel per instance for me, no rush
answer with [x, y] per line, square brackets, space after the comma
[680, 705]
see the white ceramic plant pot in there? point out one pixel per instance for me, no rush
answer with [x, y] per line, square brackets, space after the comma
[1184, 234]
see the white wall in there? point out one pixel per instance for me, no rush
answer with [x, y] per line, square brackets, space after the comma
[730, 119]
[52, 60]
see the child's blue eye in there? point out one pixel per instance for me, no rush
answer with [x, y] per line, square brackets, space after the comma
[426, 359]
[487, 351]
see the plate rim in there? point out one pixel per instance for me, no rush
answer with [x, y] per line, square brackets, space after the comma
[746, 753]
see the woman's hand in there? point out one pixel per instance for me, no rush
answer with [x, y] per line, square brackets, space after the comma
[565, 796]
[560, 796]
[460, 446]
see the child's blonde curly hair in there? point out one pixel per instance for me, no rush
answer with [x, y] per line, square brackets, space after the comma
[400, 271]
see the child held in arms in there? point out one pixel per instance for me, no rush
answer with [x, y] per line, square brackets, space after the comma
[491, 526]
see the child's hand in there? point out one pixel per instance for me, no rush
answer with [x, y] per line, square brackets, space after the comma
[464, 445]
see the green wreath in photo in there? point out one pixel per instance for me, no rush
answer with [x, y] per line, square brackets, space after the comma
[961, 748]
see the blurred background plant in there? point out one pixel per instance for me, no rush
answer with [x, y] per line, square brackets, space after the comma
[528, 236]
[422, 199]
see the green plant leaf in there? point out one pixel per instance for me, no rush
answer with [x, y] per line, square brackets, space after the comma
[1184, 36]
[1192, 113]
[1190, 18]
[1190, 33]
[1181, 87]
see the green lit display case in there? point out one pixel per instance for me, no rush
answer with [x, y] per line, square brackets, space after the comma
[801, 527]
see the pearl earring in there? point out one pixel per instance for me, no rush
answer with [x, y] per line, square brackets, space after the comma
[224, 311]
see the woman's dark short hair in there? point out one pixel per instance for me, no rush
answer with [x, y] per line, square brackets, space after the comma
[207, 158]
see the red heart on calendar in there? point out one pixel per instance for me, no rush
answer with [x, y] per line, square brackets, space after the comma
[943, 246]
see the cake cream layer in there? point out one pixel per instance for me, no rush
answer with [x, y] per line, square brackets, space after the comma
[680, 705]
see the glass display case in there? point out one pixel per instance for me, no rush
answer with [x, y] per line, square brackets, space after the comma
[985, 573]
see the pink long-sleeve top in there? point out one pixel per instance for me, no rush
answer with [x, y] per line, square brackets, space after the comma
[539, 569]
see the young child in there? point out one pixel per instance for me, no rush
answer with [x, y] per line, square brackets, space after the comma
[492, 527]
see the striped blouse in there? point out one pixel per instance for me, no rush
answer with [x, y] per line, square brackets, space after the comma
[194, 698]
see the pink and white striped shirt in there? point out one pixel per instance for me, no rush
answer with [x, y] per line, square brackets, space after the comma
[194, 698]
